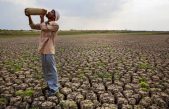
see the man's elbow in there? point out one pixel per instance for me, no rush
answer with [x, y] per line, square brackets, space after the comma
[57, 28]
[53, 28]
[49, 30]
[31, 26]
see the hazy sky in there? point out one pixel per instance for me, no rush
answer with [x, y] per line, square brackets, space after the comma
[91, 14]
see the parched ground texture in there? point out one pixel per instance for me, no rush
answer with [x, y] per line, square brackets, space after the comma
[95, 72]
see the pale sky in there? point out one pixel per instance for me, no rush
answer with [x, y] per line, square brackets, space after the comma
[91, 14]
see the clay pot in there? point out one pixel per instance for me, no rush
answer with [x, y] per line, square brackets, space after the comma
[35, 11]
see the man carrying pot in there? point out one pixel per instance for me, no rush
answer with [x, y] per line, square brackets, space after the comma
[47, 50]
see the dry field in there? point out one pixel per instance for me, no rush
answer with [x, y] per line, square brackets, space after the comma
[96, 71]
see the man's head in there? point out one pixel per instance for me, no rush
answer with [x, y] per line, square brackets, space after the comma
[53, 15]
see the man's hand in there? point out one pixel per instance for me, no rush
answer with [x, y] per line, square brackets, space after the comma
[26, 13]
[42, 18]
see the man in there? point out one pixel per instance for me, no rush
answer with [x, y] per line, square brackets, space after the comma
[47, 50]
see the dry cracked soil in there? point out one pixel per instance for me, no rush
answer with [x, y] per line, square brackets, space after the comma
[95, 72]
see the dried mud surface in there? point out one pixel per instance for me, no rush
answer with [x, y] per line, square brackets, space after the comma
[95, 72]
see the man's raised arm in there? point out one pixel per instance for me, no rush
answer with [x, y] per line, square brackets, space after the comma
[32, 25]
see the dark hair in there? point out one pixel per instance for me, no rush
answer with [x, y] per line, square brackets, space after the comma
[54, 13]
